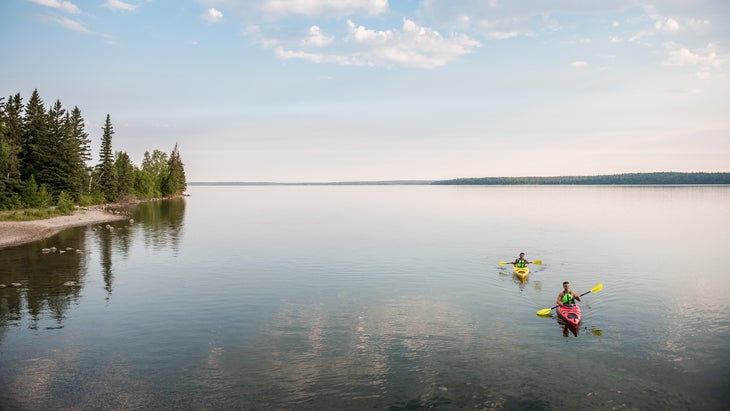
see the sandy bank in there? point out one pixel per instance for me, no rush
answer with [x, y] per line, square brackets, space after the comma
[20, 232]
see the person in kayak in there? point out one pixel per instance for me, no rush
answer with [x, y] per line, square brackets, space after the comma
[567, 297]
[521, 262]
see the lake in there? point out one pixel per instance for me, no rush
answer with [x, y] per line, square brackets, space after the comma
[376, 297]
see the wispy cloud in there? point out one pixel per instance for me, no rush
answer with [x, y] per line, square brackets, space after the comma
[578, 64]
[67, 23]
[119, 5]
[65, 6]
[213, 15]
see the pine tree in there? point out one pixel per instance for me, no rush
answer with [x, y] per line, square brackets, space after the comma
[13, 132]
[175, 182]
[11, 128]
[78, 147]
[106, 173]
[33, 137]
[54, 151]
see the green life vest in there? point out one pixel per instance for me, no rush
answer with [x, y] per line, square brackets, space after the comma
[567, 298]
[521, 263]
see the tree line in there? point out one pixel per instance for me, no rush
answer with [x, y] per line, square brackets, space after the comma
[660, 178]
[45, 155]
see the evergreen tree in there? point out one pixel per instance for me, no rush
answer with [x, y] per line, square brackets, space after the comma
[12, 119]
[77, 147]
[106, 173]
[33, 137]
[125, 175]
[175, 182]
[54, 151]
[44, 153]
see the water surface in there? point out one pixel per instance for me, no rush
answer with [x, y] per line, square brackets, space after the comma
[385, 297]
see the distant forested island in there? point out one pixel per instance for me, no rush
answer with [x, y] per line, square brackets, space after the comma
[661, 178]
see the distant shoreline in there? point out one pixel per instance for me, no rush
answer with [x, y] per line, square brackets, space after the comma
[658, 178]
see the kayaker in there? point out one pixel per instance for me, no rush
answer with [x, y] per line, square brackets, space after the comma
[521, 262]
[567, 297]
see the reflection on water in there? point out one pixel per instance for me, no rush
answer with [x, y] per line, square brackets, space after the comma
[51, 271]
[373, 297]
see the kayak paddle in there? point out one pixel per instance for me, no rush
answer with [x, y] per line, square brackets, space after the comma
[538, 262]
[546, 311]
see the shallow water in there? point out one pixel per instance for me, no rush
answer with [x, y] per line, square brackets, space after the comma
[353, 297]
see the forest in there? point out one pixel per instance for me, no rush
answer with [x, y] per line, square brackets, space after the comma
[45, 155]
[660, 178]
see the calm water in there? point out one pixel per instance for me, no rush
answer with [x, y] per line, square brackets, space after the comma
[376, 297]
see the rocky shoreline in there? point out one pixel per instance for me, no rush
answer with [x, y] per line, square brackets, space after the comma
[14, 233]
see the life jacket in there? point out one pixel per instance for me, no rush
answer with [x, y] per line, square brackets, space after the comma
[521, 263]
[567, 298]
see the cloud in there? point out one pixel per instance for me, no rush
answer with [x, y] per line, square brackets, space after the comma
[578, 64]
[276, 9]
[119, 5]
[316, 38]
[412, 46]
[666, 25]
[705, 57]
[66, 6]
[213, 15]
[325, 7]
[67, 23]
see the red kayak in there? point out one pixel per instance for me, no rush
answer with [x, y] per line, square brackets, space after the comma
[570, 313]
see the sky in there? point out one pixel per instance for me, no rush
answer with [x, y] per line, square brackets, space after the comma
[371, 90]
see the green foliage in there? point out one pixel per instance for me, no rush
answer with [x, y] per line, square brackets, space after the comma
[107, 172]
[156, 165]
[44, 152]
[35, 196]
[65, 204]
[11, 201]
[125, 176]
[144, 185]
[86, 200]
[174, 182]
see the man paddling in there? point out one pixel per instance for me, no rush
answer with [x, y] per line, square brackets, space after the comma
[567, 297]
[521, 262]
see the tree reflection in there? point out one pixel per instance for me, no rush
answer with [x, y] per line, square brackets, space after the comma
[162, 222]
[40, 271]
[44, 279]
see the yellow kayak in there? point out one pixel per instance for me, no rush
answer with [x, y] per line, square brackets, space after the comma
[521, 272]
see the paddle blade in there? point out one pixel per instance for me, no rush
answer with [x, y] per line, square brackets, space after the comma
[502, 263]
[544, 311]
[597, 288]
[538, 262]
